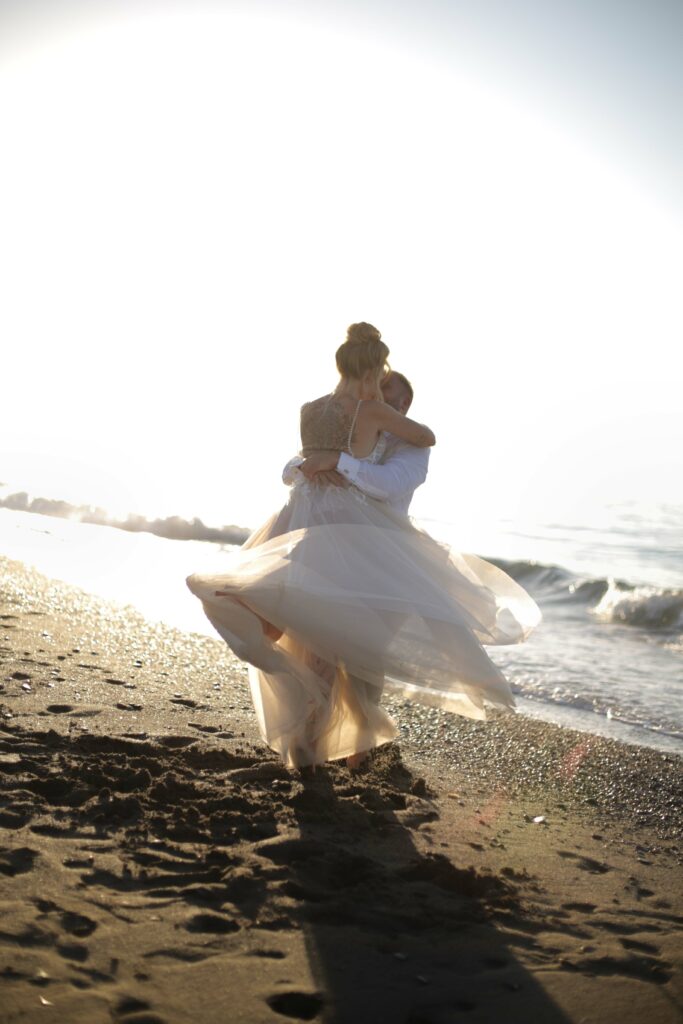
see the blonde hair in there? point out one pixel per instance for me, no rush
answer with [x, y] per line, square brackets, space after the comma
[363, 350]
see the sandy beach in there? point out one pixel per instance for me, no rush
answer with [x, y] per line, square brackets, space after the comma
[159, 864]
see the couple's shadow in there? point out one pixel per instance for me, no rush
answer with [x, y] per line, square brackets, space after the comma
[392, 933]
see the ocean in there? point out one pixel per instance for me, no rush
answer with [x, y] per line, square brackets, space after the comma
[607, 657]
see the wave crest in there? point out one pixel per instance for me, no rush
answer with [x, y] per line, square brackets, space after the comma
[606, 598]
[652, 607]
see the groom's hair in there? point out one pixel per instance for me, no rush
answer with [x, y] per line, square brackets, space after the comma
[405, 382]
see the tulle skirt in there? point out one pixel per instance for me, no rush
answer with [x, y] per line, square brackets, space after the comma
[365, 602]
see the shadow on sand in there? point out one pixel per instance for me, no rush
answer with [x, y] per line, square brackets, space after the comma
[235, 849]
[394, 934]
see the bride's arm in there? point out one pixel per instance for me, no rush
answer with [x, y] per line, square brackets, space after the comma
[386, 418]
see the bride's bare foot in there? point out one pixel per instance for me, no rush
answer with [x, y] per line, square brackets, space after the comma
[356, 760]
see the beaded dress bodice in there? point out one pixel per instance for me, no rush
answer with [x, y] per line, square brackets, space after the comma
[326, 425]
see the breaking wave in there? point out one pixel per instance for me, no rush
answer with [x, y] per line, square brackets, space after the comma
[607, 599]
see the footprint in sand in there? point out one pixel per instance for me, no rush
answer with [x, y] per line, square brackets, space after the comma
[646, 968]
[35, 935]
[212, 923]
[186, 956]
[438, 870]
[16, 861]
[132, 1010]
[69, 921]
[187, 702]
[596, 867]
[73, 951]
[15, 818]
[640, 947]
[636, 889]
[296, 1005]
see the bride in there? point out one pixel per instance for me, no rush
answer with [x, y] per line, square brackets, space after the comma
[338, 597]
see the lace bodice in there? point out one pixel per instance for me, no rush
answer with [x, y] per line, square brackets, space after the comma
[326, 425]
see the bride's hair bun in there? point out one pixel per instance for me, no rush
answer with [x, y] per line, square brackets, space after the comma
[363, 350]
[358, 334]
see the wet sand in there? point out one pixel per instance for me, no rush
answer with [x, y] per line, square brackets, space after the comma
[158, 863]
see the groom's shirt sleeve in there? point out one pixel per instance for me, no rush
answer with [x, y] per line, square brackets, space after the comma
[403, 472]
[291, 473]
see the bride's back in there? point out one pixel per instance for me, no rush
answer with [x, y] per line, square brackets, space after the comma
[338, 421]
[327, 424]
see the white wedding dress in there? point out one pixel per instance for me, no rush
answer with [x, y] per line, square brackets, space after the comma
[365, 601]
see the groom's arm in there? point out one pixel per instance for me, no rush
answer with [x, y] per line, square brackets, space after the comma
[403, 472]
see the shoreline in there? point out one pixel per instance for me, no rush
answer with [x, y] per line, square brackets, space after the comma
[135, 789]
[115, 565]
[568, 717]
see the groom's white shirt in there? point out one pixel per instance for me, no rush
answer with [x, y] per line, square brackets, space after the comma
[394, 480]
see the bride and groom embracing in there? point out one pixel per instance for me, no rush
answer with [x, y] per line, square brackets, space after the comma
[340, 596]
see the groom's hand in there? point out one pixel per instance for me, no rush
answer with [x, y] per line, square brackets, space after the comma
[319, 462]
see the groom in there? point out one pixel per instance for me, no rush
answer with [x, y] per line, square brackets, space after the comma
[394, 480]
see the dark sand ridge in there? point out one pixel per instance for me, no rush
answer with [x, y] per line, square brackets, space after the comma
[157, 863]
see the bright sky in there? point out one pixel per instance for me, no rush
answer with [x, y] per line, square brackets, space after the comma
[196, 199]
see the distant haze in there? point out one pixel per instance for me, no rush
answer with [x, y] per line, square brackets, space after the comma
[198, 198]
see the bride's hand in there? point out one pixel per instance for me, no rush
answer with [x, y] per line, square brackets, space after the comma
[319, 462]
[332, 477]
